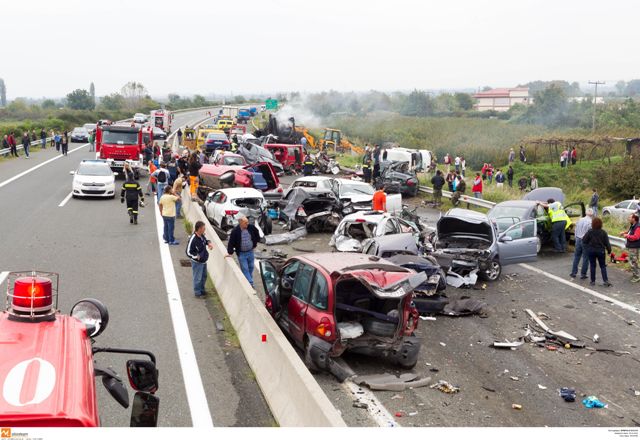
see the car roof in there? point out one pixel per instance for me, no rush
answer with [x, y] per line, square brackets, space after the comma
[330, 263]
[370, 216]
[517, 203]
[467, 214]
[234, 193]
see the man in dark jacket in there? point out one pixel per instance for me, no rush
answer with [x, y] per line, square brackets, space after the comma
[131, 190]
[243, 239]
[43, 138]
[25, 143]
[596, 241]
[438, 182]
[198, 254]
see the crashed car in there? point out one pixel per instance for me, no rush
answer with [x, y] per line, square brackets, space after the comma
[329, 305]
[357, 227]
[353, 195]
[318, 212]
[470, 244]
[403, 250]
[260, 176]
[253, 153]
[505, 214]
[223, 208]
[397, 177]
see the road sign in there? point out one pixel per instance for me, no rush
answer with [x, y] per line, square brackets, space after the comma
[271, 104]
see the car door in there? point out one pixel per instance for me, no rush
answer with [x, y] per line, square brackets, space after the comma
[270, 281]
[299, 302]
[575, 211]
[519, 243]
[218, 201]
[319, 316]
[210, 206]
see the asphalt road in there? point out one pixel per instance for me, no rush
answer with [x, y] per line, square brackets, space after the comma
[98, 254]
[459, 351]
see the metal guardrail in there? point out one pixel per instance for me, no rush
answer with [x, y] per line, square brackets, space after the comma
[615, 241]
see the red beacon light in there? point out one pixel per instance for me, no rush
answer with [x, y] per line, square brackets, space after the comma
[32, 295]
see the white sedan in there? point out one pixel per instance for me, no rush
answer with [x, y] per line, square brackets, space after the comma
[622, 209]
[224, 207]
[94, 178]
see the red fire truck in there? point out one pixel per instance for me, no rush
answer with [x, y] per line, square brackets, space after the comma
[118, 144]
[162, 119]
[47, 360]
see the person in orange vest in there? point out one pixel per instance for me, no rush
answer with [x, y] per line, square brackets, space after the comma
[380, 199]
[152, 180]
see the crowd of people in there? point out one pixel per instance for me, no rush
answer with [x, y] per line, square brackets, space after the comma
[57, 139]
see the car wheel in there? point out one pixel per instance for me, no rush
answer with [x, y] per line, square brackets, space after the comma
[268, 225]
[379, 328]
[606, 213]
[308, 360]
[493, 272]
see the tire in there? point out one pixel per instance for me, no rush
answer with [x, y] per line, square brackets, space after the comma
[408, 356]
[379, 328]
[494, 271]
[268, 225]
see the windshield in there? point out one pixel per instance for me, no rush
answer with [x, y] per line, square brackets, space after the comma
[159, 121]
[304, 184]
[216, 137]
[119, 137]
[79, 130]
[94, 169]
[352, 188]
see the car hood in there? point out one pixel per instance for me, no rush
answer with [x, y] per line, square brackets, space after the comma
[453, 225]
[357, 198]
[93, 179]
[383, 280]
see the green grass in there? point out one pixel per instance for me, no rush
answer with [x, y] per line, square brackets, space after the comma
[188, 227]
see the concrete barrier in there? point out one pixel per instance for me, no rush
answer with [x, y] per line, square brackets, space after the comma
[294, 396]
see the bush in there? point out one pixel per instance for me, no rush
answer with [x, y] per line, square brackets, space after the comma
[621, 180]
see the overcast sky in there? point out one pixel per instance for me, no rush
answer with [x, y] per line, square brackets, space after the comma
[52, 47]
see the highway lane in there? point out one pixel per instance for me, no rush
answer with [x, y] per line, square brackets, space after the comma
[93, 247]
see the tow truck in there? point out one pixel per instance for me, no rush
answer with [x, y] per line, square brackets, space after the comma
[162, 119]
[120, 144]
[47, 360]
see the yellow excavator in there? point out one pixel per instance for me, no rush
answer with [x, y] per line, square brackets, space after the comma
[332, 139]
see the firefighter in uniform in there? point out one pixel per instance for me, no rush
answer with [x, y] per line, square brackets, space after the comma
[307, 168]
[366, 164]
[560, 222]
[131, 190]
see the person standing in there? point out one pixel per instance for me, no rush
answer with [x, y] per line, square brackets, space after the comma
[178, 184]
[512, 156]
[43, 138]
[57, 138]
[92, 141]
[460, 187]
[162, 177]
[449, 178]
[25, 143]
[179, 133]
[447, 162]
[593, 203]
[533, 182]
[167, 206]
[379, 202]
[456, 163]
[438, 182]
[574, 155]
[560, 222]
[64, 143]
[463, 166]
[198, 254]
[376, 162]
[633, 246]
[366, 164]
[580, 253]
[132, 191]
[194, 171]
[510, 176]
[12, 144]
[5, 144]
[307, 166]
[564, 157]
[303, 142]
[596, 240]
[523, 156]
[477, 186]
[52, 141]
[243, 239]
[499, 178]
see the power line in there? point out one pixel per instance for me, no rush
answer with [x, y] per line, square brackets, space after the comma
[595, 101]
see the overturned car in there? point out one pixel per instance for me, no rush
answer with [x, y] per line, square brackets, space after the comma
[357, 302]
[467, 242]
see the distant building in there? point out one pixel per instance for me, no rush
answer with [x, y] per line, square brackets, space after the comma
[501, 100]
[599, 99]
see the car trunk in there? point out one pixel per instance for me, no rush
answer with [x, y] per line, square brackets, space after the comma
[369, 304]
[460, 234]
[354, 233]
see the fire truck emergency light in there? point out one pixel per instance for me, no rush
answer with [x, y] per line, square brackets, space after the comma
[32, 294]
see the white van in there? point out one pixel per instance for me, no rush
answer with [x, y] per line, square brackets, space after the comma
[419, 160]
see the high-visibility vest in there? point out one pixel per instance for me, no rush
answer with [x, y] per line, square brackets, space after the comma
[558, 214]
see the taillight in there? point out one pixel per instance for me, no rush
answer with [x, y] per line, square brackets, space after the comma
[411, 182]
[301, 212]
[280, 189]
[324, 328]
[231, 212]
[360, 220]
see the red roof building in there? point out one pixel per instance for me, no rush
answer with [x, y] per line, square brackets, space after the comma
[502, 99]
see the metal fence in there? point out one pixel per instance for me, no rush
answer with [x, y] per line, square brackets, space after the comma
[615, 241]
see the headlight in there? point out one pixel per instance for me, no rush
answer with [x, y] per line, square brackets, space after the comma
[93, 314]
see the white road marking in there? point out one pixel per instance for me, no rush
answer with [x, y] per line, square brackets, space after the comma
[66, 199]
[3, 276]
[196, 397]
[375, 408]
[583, 289]
[24, 173]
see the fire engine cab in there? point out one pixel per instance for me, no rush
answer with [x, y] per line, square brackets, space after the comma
[47, 365]
[118, 144]
[162, 119]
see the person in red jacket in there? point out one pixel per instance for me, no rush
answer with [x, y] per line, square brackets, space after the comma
[477, 186]
[633, 246]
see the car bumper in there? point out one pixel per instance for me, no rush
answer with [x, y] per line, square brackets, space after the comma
[94, 191]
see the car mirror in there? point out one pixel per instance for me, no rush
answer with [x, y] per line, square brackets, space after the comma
[143, 375]
[506, 238]
[144, 411]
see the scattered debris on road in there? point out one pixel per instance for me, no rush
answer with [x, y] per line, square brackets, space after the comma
[445, 387]
[593, 402]
[286, 237]
[389, 382]
[568, 394]
[544, 327]
[464, 307]
[516, 406]
[508, 344]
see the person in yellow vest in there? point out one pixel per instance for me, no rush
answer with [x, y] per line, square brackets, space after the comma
[560, 222]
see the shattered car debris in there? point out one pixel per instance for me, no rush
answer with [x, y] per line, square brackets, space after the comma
[329, 305]
[472, 243]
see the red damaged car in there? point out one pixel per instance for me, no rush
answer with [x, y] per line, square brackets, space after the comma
[356, 302]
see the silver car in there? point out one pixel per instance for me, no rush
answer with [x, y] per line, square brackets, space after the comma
[622, 209]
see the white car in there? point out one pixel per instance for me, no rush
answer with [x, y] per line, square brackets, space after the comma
[224, 207]
[93, 178]
[355, 195]
[622, 209]
[355, 228]
[139, 118]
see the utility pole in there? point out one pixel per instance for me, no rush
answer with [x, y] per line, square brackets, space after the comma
[595, 99]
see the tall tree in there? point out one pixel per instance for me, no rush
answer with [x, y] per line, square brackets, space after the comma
[92, 92]
[133, 94]
[80, 99]
[3, 93]
[115, 101]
